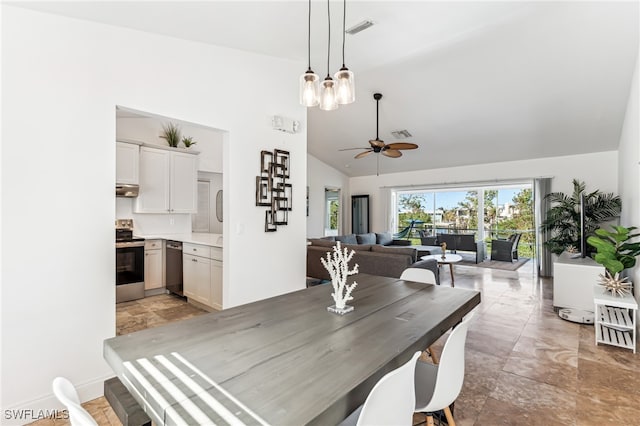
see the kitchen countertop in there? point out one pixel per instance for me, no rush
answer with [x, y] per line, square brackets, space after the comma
[212, 240]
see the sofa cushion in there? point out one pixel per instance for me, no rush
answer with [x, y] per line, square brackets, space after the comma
[347, 239]
[369, 238]
[395, 250]
[357, 247]
[322, 242]
[384, 238]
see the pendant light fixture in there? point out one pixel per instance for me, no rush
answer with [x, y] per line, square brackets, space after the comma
[346, 90]
[328, 99]
[309, 81]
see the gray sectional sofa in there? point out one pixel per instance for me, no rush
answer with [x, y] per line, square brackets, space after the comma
[375, 253]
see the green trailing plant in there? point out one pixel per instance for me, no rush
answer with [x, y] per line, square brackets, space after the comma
[614, 251]
[563, 218]
[171, 133]
[188, 141]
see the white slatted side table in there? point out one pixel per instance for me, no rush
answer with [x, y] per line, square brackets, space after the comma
[615, 319]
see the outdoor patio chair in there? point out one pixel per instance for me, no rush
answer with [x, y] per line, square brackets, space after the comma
[505, 250]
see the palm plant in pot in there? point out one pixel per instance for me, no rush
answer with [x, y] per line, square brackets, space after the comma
[615, 253]
[563, 218]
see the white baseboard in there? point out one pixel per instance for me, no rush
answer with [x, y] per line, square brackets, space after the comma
[29, 411]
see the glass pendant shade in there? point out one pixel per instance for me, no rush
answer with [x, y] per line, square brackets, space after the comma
[346, 91]
[328, 98]
[309, 89]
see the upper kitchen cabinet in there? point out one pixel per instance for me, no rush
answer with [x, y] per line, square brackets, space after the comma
[168, 182]
[127, 158]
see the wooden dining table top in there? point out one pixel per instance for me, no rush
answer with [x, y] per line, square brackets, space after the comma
[285, 360]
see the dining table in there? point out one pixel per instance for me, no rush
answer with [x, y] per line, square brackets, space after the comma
[285, 360]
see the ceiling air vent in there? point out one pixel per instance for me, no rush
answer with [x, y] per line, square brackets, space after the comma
[401, 134]
[361, 26]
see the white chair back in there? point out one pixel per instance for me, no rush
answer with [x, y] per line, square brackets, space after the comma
[450, 370]
[392, 400]
[420, 275]
[66, 393]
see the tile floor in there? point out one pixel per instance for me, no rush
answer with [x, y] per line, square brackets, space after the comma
[525, 366]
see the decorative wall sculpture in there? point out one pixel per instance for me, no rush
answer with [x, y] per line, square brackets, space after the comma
[272, 189]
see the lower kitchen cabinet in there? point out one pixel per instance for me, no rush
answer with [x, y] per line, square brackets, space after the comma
[202, 274]
[153, 265]
[197, 278]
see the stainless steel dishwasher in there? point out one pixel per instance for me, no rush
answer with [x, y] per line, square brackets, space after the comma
[173, 268]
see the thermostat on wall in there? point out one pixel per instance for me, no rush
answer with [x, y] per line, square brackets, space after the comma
[576, 315]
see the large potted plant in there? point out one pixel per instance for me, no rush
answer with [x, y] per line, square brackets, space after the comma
[616, 253]
[563, 218]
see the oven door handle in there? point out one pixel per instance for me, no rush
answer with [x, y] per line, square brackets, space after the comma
[128, 244]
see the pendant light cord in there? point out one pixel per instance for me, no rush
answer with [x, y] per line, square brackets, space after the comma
[328, 37]
[309, 36]
[344, 23]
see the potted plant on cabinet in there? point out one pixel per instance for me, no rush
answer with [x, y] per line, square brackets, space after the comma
[615, 253]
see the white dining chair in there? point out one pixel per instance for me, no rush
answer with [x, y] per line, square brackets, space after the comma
[420, 275]
[391, 402]
[438, 385]
[66, 393]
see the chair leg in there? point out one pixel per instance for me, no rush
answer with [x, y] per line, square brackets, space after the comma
[434, 356]
[447, 410]
[449, 416]
[429, 420]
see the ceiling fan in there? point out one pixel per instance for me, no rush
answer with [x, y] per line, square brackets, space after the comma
[378, 146]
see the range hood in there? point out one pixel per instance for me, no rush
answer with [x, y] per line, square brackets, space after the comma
[127, 190]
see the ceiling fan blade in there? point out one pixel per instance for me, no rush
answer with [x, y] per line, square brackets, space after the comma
[351, 149]
[363, 154]
[393, 153]
[376, 143]
[402, 145]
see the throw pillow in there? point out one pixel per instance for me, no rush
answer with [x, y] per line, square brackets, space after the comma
[384, 238]
[347, 239]
[369, 238]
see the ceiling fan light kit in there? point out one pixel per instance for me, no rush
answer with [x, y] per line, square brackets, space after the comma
[332, 93]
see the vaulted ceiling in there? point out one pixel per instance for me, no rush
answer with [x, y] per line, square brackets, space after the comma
[473, 82]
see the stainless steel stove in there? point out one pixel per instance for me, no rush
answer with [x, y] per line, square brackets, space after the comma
[129, 263]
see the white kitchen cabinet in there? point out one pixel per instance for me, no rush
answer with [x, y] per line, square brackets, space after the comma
[153, 265]
[168, 182]
[127, 159]
[202, 279]
[197, 278]
[216, 277]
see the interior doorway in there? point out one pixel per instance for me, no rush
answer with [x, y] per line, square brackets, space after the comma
[332, 212]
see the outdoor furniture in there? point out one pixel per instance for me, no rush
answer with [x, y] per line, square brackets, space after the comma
[505, 250]
[406, 232]
[463, 242]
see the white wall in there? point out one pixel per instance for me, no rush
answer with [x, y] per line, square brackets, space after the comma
[321, 176]
[587, 167]
[215, 184]
[61, 80]
[629, 172]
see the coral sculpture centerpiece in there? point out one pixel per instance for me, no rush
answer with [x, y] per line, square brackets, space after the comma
[337, 263]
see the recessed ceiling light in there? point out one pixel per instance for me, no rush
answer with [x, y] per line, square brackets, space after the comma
[401, 134]
[361, 26]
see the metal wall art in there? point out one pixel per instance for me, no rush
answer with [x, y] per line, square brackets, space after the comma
[272, 189]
